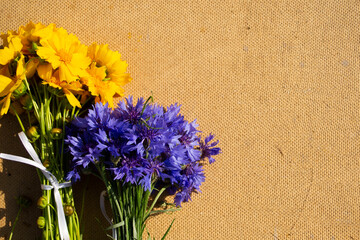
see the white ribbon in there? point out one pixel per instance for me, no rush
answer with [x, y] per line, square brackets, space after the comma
[63, 230]
[103, 211]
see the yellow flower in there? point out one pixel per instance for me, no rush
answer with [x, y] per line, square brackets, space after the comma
[52, 78]
[64, 51]
[10, 52]
[11, 72]
[6, 37]
[98, 85]
[28, 34]
[115, 67]
[33, 33]
[106, 74]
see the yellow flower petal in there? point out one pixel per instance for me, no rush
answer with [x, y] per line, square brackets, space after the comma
[72, 99]
[5, 85]
[6, 37]
[45, 71]
[107, 97]
[6, 55]
[43, 32]
[97, 72]
[65, 74]
[15, 44]
[92, 50]
[20, 71]
[80, 60]
[50, 55]
[31, 67]
[9, 53]
[5, 104]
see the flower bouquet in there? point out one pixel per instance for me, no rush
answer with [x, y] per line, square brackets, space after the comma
[52, 77]
[140, 151]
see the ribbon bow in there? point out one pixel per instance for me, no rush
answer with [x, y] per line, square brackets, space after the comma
[63, 230]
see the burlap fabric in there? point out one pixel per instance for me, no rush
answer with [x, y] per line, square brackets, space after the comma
[276, 81]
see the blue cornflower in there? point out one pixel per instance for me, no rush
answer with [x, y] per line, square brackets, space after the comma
[129, 170]
[189, 181]
[99, 117]
[172, 116]
[73, 175]
[152, 169]
[209, 150]
[190, 139]
[128, 112]
[141, 143]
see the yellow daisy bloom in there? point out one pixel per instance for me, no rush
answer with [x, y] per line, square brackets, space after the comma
[11, 51]
[52, 78]
[33, 33]
[6, 37]
[11, 72]
[64, 51]
[28, 34]
[98, 85]
[106, 74]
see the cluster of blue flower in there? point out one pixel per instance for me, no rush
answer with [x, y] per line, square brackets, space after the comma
[138, 143]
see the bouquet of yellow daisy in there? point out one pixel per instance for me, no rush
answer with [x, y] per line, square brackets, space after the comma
[46, 73]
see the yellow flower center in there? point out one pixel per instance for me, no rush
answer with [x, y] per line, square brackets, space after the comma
[64, 56]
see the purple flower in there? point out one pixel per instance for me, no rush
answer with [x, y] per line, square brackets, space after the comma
[129, 170]
[140, 144]
[189, 180]
[126, 111]
[209, 150]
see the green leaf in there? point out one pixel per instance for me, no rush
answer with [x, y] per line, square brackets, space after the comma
[154, 202]
[115, 225]
[168, 230]
[145, 104]
[166, 210]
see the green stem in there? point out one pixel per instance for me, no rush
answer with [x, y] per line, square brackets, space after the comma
[50, 111]
[35, 106]
[154, 202]
[16, 220]
[77, 225]
[114, 203]
[18, 118]
[82, 205]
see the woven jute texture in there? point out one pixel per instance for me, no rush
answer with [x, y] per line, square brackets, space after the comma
[276, 81]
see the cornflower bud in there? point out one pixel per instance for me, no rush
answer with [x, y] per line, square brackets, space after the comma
[69, 210]
[46, 163]
[56, 133]
[32, 133]
[41, 222]
[146, 143]
[42, 202]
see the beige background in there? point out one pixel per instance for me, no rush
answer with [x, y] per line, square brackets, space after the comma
[276, 81]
